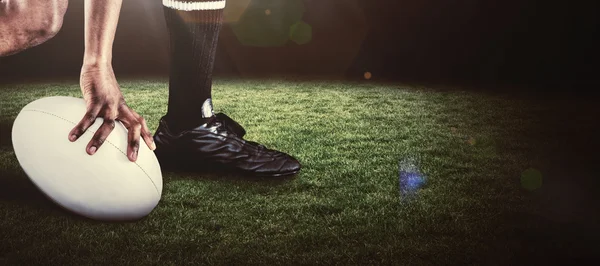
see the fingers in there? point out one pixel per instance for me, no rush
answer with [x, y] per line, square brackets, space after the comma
[136, 127]
[100, 136]
[135, 124]
[146, 134]
[131, 118]
[88, 120]
[133, 141]
[133, 132]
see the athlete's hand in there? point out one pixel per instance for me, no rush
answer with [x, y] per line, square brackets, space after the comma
[104, 99]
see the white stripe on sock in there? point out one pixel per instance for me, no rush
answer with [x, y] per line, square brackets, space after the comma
[189, 6]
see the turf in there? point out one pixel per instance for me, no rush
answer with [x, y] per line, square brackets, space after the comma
[349, 205]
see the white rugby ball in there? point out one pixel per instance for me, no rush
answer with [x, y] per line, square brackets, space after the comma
[103, 186]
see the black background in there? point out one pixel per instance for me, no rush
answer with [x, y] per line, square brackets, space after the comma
[539, 44]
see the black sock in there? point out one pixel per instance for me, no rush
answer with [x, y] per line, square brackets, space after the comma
[194, 27]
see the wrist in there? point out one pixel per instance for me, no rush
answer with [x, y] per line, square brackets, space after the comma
[95, 61]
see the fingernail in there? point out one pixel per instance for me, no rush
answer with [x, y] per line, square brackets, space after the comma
[92, 149]
[134, 156]
[153, 146]
[72, 137]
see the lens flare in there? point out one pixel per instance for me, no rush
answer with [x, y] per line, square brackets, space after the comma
[267, 23]
[531, 179]
[301, 33]
[234, 10]
[410, 178]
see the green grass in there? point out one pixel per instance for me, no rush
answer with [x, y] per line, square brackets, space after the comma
[345, 206]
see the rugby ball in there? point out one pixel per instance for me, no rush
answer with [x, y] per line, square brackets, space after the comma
[103, 186]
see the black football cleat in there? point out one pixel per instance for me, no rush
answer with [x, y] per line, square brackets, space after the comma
[219, 144]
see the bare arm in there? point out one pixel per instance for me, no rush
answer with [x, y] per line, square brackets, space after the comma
[99, 85]
[27, 23]
[101, 18]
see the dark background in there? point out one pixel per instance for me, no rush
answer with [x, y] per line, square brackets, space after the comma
[535, 44]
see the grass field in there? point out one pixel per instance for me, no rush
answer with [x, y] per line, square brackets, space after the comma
[346, 206]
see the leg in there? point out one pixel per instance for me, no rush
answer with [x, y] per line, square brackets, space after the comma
[27, 23]
[194, 31]
[191, 136]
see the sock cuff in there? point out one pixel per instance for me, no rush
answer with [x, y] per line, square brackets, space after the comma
[194, 5]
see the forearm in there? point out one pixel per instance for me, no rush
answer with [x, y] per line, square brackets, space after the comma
[101, 18]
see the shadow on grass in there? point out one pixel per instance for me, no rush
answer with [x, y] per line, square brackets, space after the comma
[6, 135]
[558, 220]
[211, 173]
[17, 188]
[14, 184]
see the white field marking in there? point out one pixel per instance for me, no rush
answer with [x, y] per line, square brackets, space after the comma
[189, 6]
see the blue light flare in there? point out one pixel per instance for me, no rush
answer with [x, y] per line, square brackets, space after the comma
[410, 178]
